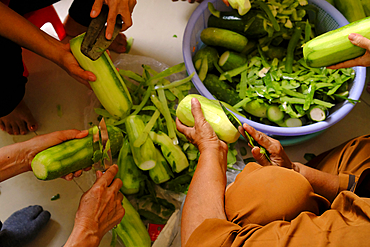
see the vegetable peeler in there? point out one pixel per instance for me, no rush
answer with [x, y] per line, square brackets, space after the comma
[95, 43]
[102, 137]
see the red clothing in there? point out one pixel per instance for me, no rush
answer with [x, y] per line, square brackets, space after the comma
[274, 206]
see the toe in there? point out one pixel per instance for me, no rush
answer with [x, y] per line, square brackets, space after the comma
[15, 129]
[2, 125]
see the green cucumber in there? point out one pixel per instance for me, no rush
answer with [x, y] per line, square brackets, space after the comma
[128, 171]
[293, 122]
[109, 87]
[256, 108]
[317, 113]
[161, 172]
[72, 155]
[249, 25]
[274, 114]
[351, 9]
[334, 46]
[209, 52]
[221, 90]
[144, 156]
[224, 38]
[131, 229]
[230, 60]
[171, 152]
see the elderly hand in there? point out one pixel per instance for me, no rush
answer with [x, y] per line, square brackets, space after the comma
[360, 41]
[99, 211]
[277, 154]
[116, 7]
[201, 135]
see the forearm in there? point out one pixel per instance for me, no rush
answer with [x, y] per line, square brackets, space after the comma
[83, 238]
[19, 30]
[13, 161]
[323, 183]
[205, 198]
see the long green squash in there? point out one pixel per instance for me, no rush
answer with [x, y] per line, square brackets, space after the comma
[334, 47]
[72, 155]
[109, 87]
[132, 230]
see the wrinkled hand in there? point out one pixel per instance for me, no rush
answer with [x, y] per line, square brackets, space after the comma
[201, 135]
[100, 208]
[360, 41]
[42, 142]
[277, 154]
[116, 7]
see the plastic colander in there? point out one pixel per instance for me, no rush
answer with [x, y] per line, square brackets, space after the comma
[328, 18]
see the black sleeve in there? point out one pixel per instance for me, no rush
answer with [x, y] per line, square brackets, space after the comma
[80, 11]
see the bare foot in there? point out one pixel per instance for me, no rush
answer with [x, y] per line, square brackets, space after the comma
[19, 121]
[73, 29]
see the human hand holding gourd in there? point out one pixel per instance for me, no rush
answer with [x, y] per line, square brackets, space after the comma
[201, 135]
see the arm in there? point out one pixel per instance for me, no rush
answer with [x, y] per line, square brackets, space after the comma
[364, 60]
[99, 211]
[210, 175]
[17, 158]
[32, 38]
[116, 7]
[323, 183]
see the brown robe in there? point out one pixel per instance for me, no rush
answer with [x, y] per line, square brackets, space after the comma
[274, 206]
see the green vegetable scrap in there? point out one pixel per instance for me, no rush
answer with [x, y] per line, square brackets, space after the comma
[55, 197]
[270, 82]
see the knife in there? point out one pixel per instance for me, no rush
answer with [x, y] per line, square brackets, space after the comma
[238, 125]
[106, 155]
[95, 43]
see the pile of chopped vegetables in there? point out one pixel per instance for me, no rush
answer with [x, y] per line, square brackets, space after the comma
[268, 81]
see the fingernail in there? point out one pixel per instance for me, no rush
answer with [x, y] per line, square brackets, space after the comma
[91, 78]
[93, 13]
[352, 36]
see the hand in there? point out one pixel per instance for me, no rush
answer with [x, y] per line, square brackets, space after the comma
[201, 135]
[68, 62]
[42, 142]
[116, 7]
[364, 60]
[99, 211]
[277, 154]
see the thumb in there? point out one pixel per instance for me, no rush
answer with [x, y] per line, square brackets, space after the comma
[260, 157]
[359, 40]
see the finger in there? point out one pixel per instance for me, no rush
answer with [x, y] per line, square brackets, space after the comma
[196, 110]
[347, 64]
[259, 137]
[82, 134]
[95, 10]
[226, 2]
[126, 17]
[78, 173]
[259, 157]
[116, 185]
[181, 127]
[108, 176]
[68, 177]
[119, 197]
[111, 22]
[359, 40]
